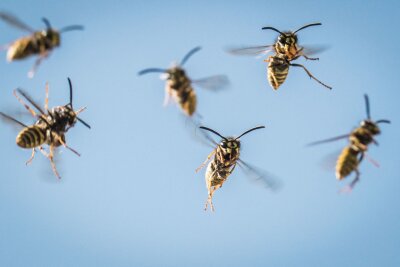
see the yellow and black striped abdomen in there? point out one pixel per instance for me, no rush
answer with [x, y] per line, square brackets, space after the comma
[278, 70]
[188, 101]
[31, 137]
[347, 162]
[184, 96]
[21, 49]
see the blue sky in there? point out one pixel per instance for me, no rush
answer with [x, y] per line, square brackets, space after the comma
[133, 198]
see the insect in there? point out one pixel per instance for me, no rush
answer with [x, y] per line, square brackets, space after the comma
[223, 160]
[49, 129]
[179, 86]
[359, 140]
[39, 43]
[286, 50]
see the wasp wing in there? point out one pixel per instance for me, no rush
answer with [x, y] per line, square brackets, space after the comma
[309, 50]
[260, 176]
[8, 118]
[14, 21]
[213, 82]
[336, 138]
[30, 100]
[251, 51]
[205, 138]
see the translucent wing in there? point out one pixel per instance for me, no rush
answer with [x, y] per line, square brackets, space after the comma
[260, 176]
[213, 82]
[336, 138]
[251, 51]
[328, 162]
[30, 100]
[205, 138]
[8, 118]
[13, 21]
[310, 50]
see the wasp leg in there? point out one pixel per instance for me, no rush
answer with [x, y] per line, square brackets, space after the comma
[349, 188]
[373, 162]
[31, 158]
[59, 139]
[46, 99]
[43, 152]
[24, 104]
[35, 66]
[310, 58]
[206, 161]
[53, 165]
[50, 156]
[211, 191]
[310, 75]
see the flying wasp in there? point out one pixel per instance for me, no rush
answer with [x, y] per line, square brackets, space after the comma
[179, 86]
[359, 140]
[286, 50]
[223, 160]
[49, 129]
[39, 43]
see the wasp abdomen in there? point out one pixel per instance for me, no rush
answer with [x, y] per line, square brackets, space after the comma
[217, 174]
[181, 89]
[347, 162]
[31, 137]
[278, 70]
[188, 102]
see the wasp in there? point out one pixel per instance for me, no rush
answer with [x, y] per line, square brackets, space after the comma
[39, 43]
[359, 140]
[179, 86]
[50, 126]
[223, 160]
[285, 50]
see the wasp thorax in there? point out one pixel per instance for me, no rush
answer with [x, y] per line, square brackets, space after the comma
[371, 126]
[176, 73]
[53, 37]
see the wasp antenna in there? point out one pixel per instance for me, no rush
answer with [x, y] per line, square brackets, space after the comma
[47, 23]
[308, 25]
[83, 122]
[189, 54]
[70, 91]
[367, 106]
[272, 28]
[252, 129]
[150, 70]
[72, 28]
[215, 132]
[383, 121]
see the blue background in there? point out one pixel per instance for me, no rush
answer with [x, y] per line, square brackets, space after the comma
[133, 198]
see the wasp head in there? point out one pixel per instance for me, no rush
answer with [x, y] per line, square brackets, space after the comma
[371, 126]
[52, 36]
[175, 73]
[287, 39]
[230, 145]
